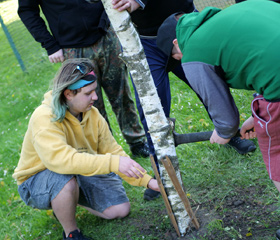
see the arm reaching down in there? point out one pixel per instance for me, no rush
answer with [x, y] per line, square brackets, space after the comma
[130, 168]
[216, 97]
[246, 127]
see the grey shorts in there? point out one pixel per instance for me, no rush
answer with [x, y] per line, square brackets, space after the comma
[96, 192]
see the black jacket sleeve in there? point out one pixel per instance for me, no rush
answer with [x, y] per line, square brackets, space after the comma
[29, 12]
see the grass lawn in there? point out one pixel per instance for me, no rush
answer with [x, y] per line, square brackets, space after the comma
[233, 194]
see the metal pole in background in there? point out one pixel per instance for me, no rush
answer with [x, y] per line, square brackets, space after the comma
[12, 44]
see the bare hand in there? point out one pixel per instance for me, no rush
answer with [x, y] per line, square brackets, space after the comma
[215, 138]
[153, 185]
[56, 57]
[129, 5]
[247, 125]
[130, 168]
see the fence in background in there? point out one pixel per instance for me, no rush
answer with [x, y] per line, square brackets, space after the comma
[28, 52]
[200, 4]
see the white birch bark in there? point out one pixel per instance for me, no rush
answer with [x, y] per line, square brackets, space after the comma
[159, 127]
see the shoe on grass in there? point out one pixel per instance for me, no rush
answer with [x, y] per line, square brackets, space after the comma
[242, 146]
[150, 194]
[278, 234]
[140, 150]
[76, 235]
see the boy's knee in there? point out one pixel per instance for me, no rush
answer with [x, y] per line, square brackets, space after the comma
[117, 211]
[71, 186]
[124, 211]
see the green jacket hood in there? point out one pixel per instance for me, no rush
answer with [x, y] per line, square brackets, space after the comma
[189, 23]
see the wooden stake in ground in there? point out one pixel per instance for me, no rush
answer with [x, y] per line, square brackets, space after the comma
[164, 197]
[172, 174]
[159, 127]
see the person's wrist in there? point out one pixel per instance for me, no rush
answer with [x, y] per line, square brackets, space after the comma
[134, 6]
[149, 183]
[139, 3]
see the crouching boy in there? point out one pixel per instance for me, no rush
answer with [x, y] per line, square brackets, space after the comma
[69, 156]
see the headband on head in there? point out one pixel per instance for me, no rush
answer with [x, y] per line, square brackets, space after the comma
[86, 80]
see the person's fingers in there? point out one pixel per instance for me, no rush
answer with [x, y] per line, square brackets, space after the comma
[139, 167]
[253, 134]
[61, 59]
[51, 59]
[250, 135]
[124, 7]
[133, 173]
[131, 168]
[242, 132]
[138, 172]
[121, 5]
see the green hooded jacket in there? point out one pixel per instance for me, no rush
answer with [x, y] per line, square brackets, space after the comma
[243, 40]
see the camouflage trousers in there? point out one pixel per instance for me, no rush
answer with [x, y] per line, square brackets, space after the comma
[112, 77]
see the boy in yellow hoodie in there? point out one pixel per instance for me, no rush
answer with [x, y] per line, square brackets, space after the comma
[69, 156]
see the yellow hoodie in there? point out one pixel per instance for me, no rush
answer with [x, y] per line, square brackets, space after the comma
[70, 147]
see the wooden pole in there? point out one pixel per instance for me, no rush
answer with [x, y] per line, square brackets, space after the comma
[172, 174]
[164, 196]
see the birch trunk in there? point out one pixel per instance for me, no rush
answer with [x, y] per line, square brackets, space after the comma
[159, 127]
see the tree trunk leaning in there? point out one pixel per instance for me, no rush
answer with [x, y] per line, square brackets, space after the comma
[160, 130]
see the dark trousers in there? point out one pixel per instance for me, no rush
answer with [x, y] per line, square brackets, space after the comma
[157, 61]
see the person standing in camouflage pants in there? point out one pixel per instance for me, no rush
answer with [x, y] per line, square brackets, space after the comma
[112, 76]
[81, 30]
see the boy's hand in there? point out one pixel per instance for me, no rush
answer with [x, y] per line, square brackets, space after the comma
[215, 138]
[129, 5]
[56, 57]
[247, 125]
[153, 185]
[130, 168]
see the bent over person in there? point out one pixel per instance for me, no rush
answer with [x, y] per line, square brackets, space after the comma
[69, 155]
[237, 47]
[147, 16]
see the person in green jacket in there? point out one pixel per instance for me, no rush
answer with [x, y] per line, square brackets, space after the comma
[70, 157]
[237, 47]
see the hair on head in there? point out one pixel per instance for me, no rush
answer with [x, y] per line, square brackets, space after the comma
[65, 76]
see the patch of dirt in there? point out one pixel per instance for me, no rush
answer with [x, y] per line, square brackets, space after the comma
[237, 217]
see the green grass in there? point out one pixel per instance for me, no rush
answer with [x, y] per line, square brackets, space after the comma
[211, 173]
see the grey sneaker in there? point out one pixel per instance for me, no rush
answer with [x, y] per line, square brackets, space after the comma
[242, 146]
